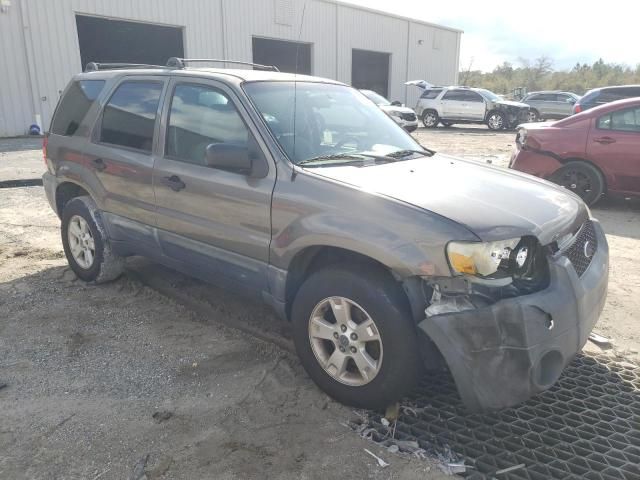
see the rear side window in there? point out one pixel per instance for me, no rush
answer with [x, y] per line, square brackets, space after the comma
[457, 95]
[74, 106]
[130, 115]
[623, 121]
[430, 94]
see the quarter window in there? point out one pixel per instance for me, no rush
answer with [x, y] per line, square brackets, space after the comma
[200, 116]
[130, 116]
[75, 105]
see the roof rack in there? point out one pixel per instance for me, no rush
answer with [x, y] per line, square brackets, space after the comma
[175, 62]
[95, 66]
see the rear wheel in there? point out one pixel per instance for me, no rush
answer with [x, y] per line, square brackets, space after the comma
[581, 178]
[430, 118]
[355, 337]
[85, 242]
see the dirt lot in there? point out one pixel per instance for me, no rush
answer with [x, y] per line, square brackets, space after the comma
[125, 381]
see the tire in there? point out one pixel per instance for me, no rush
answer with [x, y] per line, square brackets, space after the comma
[430, 118]
[81, 229]
[581, 178]
[534, 115]
[446, 124]
[394, 355]
[496, 121]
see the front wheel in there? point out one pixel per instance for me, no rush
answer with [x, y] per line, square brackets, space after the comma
[534, 116]
[581, 178]
[496, 121]
[86, 244]
[355, 337]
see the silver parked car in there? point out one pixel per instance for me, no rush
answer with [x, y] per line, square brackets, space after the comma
[300, 192]
[403, 116]
[550, 104]
[449, 105]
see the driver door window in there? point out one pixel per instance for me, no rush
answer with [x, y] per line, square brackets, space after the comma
[200, 116]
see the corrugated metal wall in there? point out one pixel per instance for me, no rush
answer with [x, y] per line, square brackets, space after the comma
[39, 48]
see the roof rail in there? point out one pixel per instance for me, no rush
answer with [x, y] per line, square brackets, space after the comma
[95, 66]
[175, 62]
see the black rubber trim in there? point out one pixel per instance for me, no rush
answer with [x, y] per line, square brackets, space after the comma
[27, 182]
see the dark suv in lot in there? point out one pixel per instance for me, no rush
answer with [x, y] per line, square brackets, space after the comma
[385, 256]
[600, 96]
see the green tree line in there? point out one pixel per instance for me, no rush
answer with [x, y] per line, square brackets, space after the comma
[539, 74]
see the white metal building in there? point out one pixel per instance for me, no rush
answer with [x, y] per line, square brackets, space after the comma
[44, 42]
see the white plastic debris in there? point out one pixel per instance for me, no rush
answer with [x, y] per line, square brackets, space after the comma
[381, 462]
[599, 340]
[455, 304]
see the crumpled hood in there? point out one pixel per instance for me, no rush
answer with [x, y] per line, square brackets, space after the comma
[493, 202]
[512, 104]
[395, 108]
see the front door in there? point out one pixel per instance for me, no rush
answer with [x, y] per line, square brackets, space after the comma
[474, 106]
[613, 145]
[217, 222]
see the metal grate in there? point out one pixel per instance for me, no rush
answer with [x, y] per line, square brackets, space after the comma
[585, 427]
[582, 249]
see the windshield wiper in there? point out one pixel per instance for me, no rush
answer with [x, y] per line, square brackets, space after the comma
[349, 157]
[405, 153]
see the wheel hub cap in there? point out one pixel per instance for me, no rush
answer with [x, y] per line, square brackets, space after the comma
[345, 341]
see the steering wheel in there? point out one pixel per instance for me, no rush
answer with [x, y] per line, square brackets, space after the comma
[346, 140]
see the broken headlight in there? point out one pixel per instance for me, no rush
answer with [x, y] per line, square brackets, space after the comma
[504, 258]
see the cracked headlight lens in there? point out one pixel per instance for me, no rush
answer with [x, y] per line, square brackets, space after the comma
[484, 259]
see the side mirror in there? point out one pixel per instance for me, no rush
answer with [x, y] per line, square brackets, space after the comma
[229, 156]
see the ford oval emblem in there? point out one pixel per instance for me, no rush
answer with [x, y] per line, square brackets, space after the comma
[589, 249]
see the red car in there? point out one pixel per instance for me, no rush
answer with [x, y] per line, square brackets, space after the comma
[591, 153]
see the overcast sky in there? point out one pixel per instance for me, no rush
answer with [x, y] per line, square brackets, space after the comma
[501, 30]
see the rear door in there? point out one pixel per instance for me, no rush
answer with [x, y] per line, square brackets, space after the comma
[614, 145]
[453, 104]
[216, 222]
[122, 150]
[474, 105]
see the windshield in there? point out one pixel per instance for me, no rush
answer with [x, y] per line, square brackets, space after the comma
[375, 98]
[489, 95]
[311, 120]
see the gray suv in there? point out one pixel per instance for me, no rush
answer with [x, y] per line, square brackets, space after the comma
[550, 105]
[386, 257]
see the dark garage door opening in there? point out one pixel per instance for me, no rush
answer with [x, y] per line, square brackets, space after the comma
[370, 70]
[291, 57]
[104, 40]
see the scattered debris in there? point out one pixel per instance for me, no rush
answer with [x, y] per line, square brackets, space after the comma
[101, 474]
[453, 468]
[599, 340]
[393, 412]
[138, 469]
[510, 469]
[162, 415]
[381, 462]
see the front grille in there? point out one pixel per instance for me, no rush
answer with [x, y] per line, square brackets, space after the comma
[409, 117]
[583, 248]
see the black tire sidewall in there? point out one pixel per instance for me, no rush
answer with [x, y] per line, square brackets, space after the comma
[595, 177]
[377, 295]
[78, 207]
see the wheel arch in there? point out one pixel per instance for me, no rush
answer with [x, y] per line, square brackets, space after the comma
[66, 191]
[313, 258]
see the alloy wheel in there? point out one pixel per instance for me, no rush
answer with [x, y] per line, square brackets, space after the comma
[81, 242]
[496, 121]
[345, 341]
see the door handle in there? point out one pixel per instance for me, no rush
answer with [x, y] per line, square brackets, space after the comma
[99, 164]
[173, 182]
[604, 140]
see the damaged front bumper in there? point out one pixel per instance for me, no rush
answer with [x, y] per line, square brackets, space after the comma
[503, 354]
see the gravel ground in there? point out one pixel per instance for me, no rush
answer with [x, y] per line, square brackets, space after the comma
[86, 374]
